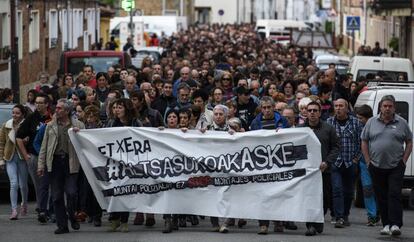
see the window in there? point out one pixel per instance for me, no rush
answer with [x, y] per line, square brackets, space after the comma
[5, 30]
[53, 28]
[100, 64]
[19, 30]
[63, 21]
[34, 37]
[401, 108]
[4, 37]
[91, 24]
[386, 75]
[76, 27]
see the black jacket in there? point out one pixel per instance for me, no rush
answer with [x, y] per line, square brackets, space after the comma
[29, 128]
[150, 117]
[163, 102]
[328, 139]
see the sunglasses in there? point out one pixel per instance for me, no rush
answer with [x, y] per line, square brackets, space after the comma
[313, 110]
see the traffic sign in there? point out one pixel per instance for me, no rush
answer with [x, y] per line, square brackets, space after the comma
[353, 23]
[128, 5]
[221, 12]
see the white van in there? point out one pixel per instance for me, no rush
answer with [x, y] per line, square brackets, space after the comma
[388, 67]
[279, 30]
[341, 62]
[403, 93]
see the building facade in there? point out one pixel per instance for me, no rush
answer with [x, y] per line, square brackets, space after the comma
[44, 30]
[382, 21]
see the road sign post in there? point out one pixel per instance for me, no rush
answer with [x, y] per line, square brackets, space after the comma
[353, 23]
[128, 6]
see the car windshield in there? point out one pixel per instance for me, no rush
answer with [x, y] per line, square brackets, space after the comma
[155, 57]
[385, 75]
[5, 112]
[100, 64]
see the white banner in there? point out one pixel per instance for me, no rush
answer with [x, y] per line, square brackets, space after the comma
[255, 175]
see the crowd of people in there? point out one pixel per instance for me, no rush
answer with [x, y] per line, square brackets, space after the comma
[218, 78]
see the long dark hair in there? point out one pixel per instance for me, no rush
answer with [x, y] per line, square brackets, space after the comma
[102, 74]
[22, 108]
[130, 111]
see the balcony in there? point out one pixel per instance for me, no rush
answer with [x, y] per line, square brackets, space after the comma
[391, 7]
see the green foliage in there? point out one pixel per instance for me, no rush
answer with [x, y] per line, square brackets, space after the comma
[329, 25]
[393, 44]
[109, 2]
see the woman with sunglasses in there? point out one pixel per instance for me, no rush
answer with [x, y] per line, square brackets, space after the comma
[227, 85]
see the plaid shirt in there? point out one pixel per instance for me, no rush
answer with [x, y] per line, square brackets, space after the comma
[350, 140]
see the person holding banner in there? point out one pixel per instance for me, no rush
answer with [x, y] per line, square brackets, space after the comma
[92, 121]
[125, 115]
[171, 220]
[329, 151]
[268, 119]
[235, 125]
[58, 156]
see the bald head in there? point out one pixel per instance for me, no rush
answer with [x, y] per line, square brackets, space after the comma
[185, 73]
[342, 101]
[329, 77]
[341, 109]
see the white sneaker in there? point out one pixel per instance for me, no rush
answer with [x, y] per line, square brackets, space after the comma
[385, 230]
[395, 230]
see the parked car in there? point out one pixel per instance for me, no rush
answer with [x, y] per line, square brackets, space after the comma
[341, 62]
[73, 61]
[388, 67]
[403, 93]
[154, 54]
[5, 114]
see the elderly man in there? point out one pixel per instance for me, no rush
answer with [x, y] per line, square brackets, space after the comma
[185, 77]
[348, 129]
[130, 86]
[383, 140]
[58, 155]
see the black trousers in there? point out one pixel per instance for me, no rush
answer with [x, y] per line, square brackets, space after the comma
[387, 186]
[63, 183]
[327, 197]
[122, 216]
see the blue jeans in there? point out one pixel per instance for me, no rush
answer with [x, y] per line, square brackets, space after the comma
[17, 172]
[342, 189]
[368, 190]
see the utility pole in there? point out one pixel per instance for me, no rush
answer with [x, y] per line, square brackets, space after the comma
[238, 15]
[353, 42]
[131, 23]
[97, 17]
[15, 80]
[365, 22]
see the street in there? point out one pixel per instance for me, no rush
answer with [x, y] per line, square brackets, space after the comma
[28, 229]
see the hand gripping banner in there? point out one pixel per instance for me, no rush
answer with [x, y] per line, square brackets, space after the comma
[260, 174]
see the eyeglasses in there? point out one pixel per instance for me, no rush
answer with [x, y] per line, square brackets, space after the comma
[39, 103]
[313, 110]
[226, 79]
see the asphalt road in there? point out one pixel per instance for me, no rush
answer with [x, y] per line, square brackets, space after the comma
[27, 229]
